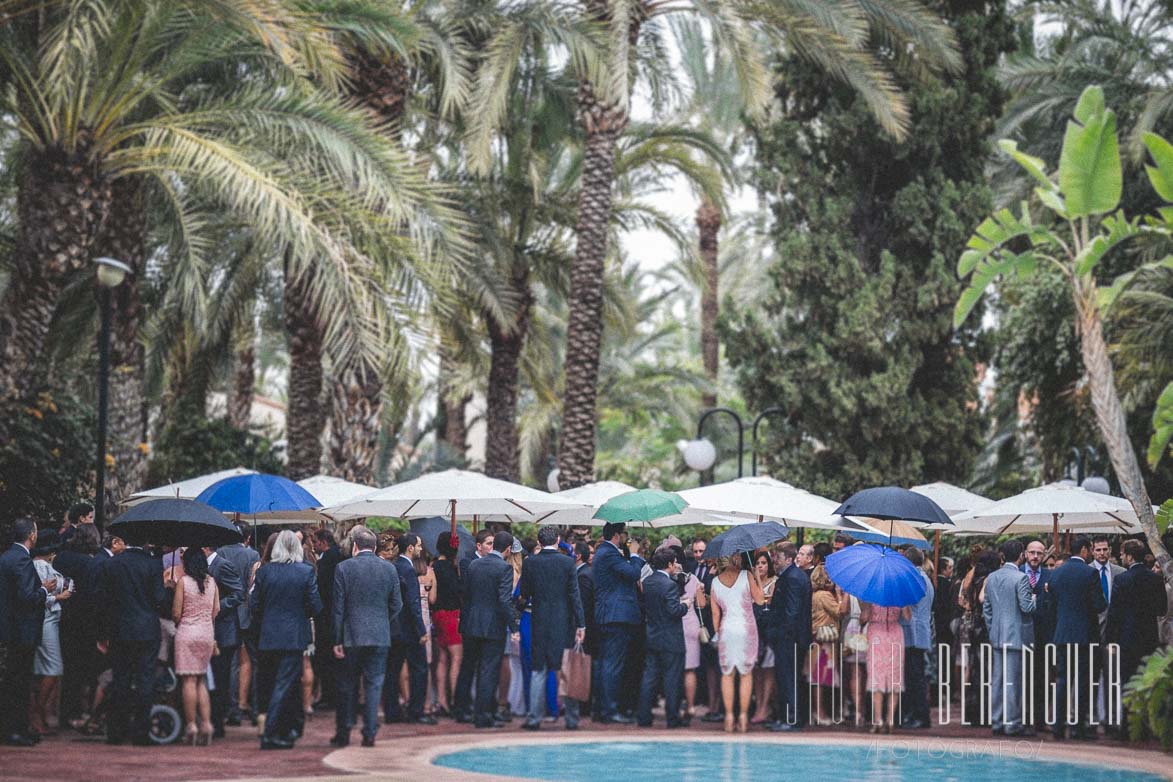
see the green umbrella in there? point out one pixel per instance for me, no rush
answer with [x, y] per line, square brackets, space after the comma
[643, 505]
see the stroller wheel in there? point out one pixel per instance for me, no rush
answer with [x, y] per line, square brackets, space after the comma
[165, 724]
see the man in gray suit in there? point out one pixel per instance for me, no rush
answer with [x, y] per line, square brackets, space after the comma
[366, 599]
[243, 557]
[230, 582]
[1008, 607]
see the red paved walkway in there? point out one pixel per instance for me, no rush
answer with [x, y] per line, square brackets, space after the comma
[72, 757]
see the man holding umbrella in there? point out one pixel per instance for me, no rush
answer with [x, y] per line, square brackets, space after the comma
[616, 611]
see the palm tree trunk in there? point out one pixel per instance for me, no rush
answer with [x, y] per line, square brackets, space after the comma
[450, 425]
[584, 333]
[244, 378]
[123, 238]
[708, 223]
[62, 200]
[502, 459]
[355, 412]
[1112, 422]
[305, 417]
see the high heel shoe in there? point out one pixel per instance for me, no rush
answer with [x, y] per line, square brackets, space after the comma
[191, 733]
[874, 729]
[205, 736]
[743, 723]
[729, 722]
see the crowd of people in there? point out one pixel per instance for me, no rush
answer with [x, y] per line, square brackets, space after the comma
[543, 629]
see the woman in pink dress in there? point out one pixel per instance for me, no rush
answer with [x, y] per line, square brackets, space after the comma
[885, 660]
[197, 602]
[735, 590]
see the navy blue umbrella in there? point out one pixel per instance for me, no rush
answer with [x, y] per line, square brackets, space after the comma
[746, 537]
[893, 502]
[876, 574]
[257, 493]
[429, 530]
[174, 522]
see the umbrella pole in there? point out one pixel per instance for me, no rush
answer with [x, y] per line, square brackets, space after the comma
[453, 518]
[474, 524]
[937, 553]
[1055, 532]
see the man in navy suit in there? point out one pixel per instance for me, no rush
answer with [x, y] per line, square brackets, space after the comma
[329, 555]
[134, 597]
[1078, 602]
[1138, 603]
[366, 600]
[408, 642]
[788, 630]
[487, 615]
[1044, 627]
[590, 642]
[284, 599]
[664, 655]
[462, 694]
[227, 629]
[549, 582]
[617, 611]
[22, 612]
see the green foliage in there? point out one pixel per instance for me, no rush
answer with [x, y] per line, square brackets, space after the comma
[195, 446]
[46, 458]
[1164, 516]
[1089, 167]
[1162, 427]
[854, 336]
[1148, 697]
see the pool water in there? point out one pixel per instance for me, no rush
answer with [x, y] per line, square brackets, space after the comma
[704, 761]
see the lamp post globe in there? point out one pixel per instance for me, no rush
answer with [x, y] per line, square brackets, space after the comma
[1096, 483]
[552, 481]
[699, 455]
[111, 273]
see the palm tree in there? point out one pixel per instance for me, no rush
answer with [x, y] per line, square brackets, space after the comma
[834, 35]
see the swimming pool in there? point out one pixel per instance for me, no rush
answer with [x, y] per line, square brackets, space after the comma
[754, 761]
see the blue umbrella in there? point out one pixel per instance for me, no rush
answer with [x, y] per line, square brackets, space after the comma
[746, 537]
[174, 522]
[876, 574]
[893, 502]
[257, 493]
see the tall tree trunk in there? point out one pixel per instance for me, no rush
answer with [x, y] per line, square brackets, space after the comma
[244, 378]
[451, 428]
[356, 395]
[305, 416]
[1112, 422]
[502, 459]
[355, 409]
[584, 333]
[602, 123]
[708, 223]
[61, 201]
[123, 238]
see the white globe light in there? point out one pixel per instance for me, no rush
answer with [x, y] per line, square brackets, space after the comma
[552, 480]
[699, 455]
[1096, 483]
[111, 272]
[1068, 482]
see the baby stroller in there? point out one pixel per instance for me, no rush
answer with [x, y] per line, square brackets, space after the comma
[166, 722]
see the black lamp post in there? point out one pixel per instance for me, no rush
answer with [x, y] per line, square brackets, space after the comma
[110, 274]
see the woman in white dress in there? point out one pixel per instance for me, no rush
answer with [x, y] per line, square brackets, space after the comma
[735, 591]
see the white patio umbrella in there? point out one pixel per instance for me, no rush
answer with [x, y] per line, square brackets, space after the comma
[760, 498]
[1051, 508]
[590, 497]
[454, 494]
[954, 500]
[187, 489]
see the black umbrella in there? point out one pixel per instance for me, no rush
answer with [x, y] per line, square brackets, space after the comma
[175, 522]
[894, 503]
[747, 537]
[429, 530]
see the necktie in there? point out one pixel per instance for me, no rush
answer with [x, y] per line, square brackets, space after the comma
[1034, 577]
[1104, 582]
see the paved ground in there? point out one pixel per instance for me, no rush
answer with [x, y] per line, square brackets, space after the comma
[403, 750]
